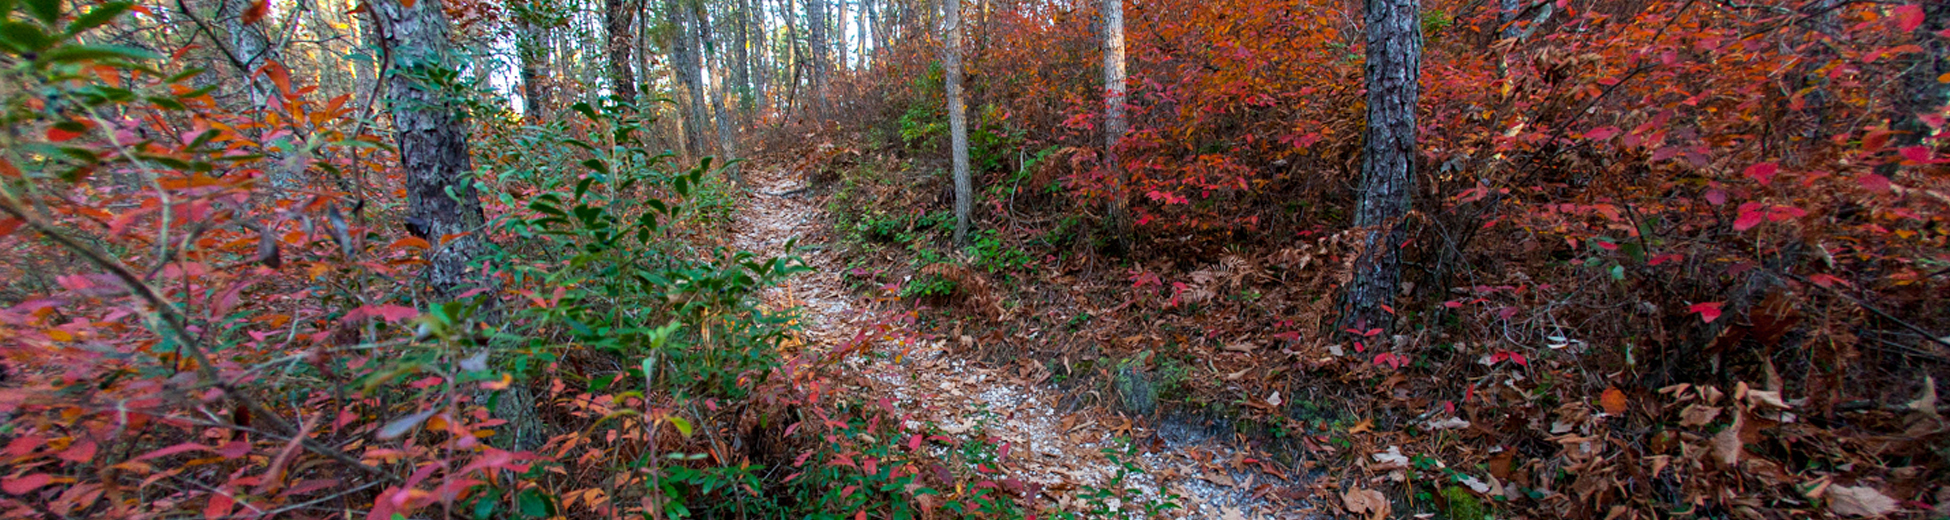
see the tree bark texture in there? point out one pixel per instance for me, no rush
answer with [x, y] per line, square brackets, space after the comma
[1115, 125]
[531, 44]
[619, 17]
[741, 72]
[957, 119]
[727, 147]
[431, 135]
[684, 59]
[442, 205]
[816, 21]
[1394, 55]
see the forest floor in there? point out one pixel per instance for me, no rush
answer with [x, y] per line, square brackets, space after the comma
[1057, 454]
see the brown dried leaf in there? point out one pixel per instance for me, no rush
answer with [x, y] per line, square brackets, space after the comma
[1367, 501]
[1698, 415]
[1859, 501]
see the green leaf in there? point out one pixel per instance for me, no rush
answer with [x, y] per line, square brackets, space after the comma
[683, 425]
[98, 16]
[534, 504]
[586, 111]
[582, 187]
[73, 53]
[46, 10]
[23, 37]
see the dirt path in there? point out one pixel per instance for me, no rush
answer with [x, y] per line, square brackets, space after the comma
[1063, 453]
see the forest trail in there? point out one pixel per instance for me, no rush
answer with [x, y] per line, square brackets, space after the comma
[1053, 448]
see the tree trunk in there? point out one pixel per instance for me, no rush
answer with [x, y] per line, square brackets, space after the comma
[619, 16]
[957, 119]
[442, 205]
[741, 75]
[683, 60]
[1394, 55]
[816, 43]
[727, 148]
[531, 43]
[250, 46]
[1115, 126]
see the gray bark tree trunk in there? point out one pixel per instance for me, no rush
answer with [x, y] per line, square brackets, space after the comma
[816, 42]
[1393, 75]
[442, 205]
[957, 119]
[741, 74]
[619, 16]
[1115, 126]
[683, 59]
[531, 44]
[727, 147]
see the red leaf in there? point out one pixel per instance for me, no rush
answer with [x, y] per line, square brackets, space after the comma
[1780, 213]
[234, 449]
[256, 11]
[23, 485]
[1827, 280]
[1601, 133]
[1919, 154]
[219, 506]
[172, 450]
[279, 75]
[1751, 214]
[1763, 172]
[80, 451]
[1869, 181]
[8, 225]
[1708, 311]
[1909, 17]
[1716, 196]
[57, 134]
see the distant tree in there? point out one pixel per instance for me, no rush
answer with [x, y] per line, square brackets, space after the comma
[957, 119]
[620, 18]
[1115, 126]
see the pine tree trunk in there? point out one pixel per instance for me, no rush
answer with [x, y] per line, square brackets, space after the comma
[432, 139]
[957, 119]
[1394, 54]
[619, 16]
[1115, 126]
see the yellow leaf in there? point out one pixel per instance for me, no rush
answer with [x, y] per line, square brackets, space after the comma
[59, 335]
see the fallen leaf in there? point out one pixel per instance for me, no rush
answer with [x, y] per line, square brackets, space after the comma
[1926, 402]
[1859, 501]
[1231, 513]
[1366, 425]
[1726, 445]
[1613, 400]
[1367, 501]
[1698, 415]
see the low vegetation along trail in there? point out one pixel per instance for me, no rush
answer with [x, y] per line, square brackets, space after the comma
[1057, 452]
